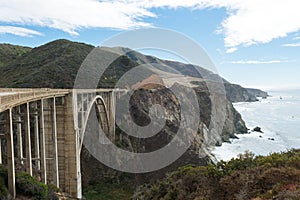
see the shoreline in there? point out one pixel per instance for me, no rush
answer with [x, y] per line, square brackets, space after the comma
[276, 116]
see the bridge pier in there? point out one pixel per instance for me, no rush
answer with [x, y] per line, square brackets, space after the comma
[10, 154]
[36, 137]
[72, 154]
[28, 140]
[0, 151]
[43, 143]
[19, 136]
[50, 138]
[55, 156]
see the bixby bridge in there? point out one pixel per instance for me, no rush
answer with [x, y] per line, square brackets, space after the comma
[42, 131]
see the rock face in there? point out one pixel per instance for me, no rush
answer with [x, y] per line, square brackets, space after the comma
[237, 93]
[257, 92]
[197, 154]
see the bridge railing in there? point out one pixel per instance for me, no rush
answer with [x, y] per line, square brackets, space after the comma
[12, 96]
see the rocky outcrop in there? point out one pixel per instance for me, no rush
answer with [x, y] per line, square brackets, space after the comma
[257, 129]
[257, 92]
[237, 93]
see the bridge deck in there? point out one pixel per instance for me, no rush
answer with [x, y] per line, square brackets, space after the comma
[11, 97]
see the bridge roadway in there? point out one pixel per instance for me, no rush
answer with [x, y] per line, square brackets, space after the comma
[42, 132]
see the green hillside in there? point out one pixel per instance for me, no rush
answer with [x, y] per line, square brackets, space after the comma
[9, 53]
[52, 65]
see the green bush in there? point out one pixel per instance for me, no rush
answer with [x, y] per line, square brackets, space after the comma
[108, 191]
[245, 177]
[3, 181]
[3, 188]
[31, 187]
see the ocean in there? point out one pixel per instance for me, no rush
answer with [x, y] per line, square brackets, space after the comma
[279, 119]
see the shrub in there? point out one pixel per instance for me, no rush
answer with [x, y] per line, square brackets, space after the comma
[246, 177]
[3, 181]
[31, 187]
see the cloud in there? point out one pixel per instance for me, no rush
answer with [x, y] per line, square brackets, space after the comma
[256, 21]
[71, 16]
[296, 38]
[231, 50]
[255, 62]
[292, 45]
[19, 31]
[248, 22]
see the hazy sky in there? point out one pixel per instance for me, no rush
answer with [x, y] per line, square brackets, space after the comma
[252, 42]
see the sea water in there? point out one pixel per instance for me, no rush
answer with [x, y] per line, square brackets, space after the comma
[278, 116]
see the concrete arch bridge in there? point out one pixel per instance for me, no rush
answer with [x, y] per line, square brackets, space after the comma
[41, 132]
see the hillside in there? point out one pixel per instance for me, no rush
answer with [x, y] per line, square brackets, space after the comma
[52, 65]
[9, 53]
[276, 176]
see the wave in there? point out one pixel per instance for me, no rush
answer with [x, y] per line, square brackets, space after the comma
[279, 118]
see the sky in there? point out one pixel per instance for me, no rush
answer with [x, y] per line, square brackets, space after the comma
[255, 43]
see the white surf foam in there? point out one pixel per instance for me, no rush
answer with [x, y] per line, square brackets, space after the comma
[279, 118]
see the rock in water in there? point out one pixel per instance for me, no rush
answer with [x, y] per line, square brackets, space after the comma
[257, 129]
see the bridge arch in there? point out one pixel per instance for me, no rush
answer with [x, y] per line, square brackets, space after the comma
[101, 107]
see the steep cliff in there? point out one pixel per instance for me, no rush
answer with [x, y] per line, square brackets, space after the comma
[237, 93]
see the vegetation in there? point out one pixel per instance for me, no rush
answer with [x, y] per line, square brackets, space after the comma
[275, 176]
[46, 66]
[3, 180]
[109, 191]
[9, 53]
[30, 186]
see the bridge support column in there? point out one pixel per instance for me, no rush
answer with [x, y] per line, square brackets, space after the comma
[28, 140]
[36, 137]
[10, 155]
[0, 151]
[56, 172]
[50, 130]
[72, 154]
[112, 116]
[19, 136]
[43, 144]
